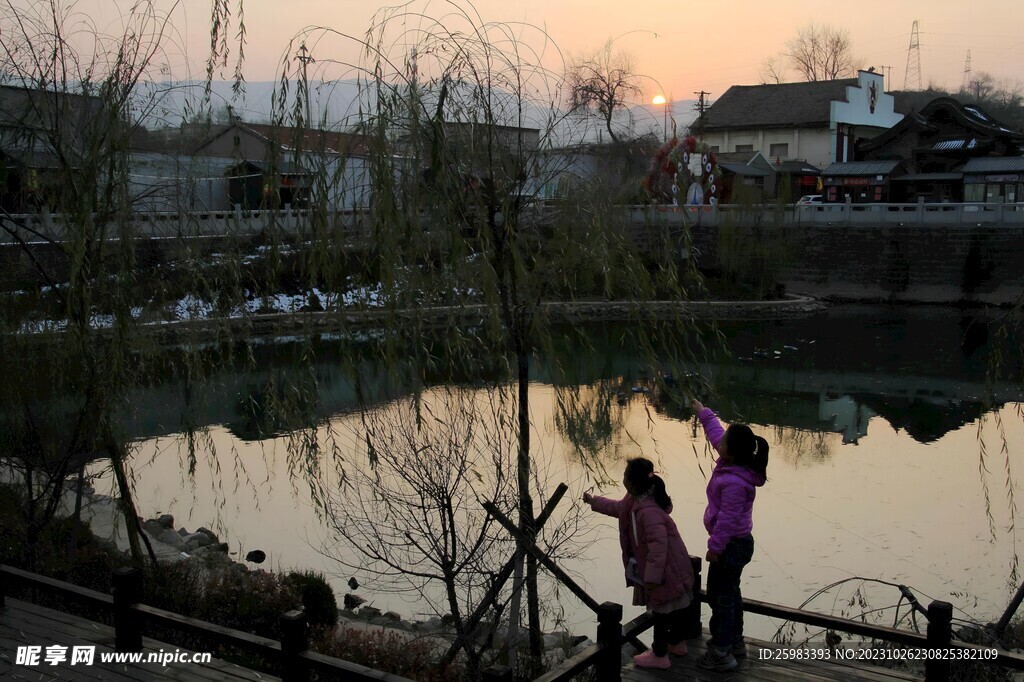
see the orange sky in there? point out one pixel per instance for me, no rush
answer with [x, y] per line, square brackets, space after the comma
[683, 46]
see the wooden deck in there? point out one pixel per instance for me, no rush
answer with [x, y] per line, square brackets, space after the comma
[753, 668]
[25, 624]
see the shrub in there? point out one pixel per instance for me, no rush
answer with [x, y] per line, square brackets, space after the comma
[318, 598]
[390, 652]
[250, 601]
[176, 587]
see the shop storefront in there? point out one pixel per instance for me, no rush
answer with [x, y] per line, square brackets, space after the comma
[994, 180]
[860, 182]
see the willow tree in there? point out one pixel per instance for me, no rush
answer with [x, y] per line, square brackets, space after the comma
[478, 281]
[72, 101]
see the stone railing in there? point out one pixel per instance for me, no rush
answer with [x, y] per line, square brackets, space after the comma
[44, 227]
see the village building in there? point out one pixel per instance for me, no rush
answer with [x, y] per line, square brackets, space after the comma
[817, 122]
[32, 121]
[277, 166]
[746, 177]
[952, 152]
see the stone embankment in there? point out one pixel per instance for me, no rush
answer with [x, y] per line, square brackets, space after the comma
[336, 321]
[204, 546]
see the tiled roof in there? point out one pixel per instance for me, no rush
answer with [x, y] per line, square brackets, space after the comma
[744, 169]
[312, 140]
[799, 167]
[995, 164]
[787, 105]
[735, 157]
[861, 168]
[949, 145]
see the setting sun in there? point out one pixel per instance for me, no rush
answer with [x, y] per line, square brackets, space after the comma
[658, 99]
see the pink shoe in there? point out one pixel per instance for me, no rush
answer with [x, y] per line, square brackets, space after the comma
[648, 660]
[678, 649]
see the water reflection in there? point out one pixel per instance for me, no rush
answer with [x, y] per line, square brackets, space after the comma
[874, 417]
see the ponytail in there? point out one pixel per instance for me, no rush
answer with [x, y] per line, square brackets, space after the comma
[747, 449]
[659, 493]
[641, 476]
[759, 458]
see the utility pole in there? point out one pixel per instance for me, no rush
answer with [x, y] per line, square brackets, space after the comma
[306, 59]
[701, 106]
[887, 74]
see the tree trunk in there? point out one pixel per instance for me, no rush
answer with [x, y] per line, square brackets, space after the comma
[526, 519]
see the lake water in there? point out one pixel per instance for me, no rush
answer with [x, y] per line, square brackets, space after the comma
[887, 464]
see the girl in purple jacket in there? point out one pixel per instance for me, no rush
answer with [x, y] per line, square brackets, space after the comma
[656, 561]
[740, 470]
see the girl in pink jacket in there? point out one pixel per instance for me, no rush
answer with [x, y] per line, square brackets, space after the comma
[740, 470]
[656, 561]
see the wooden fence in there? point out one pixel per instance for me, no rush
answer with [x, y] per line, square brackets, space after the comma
[605, 655]
[290, 657]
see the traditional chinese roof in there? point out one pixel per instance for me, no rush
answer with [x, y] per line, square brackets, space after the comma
[310, 139]
[799, 168]
[995, 164]
[786, 105]
[744, 169]
[930, 177]
[861, 168]
[947, 126]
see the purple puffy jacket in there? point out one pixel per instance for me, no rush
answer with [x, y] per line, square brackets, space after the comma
[731, 493]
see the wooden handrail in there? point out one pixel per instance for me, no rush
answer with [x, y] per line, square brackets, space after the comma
[83, 594]
[273, 651]
[592, 654]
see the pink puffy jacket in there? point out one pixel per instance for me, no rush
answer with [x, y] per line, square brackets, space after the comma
[648, 533]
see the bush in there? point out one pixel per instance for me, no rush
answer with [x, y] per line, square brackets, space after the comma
[318, 598]
[250, 601]
[176, 587]
[388, 651]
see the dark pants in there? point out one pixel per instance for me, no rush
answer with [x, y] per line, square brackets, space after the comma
[669, 628]
[724, 595]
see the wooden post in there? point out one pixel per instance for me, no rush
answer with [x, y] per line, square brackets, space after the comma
[694, 628]
[609, 634]
[127, 621]
[940, 633]
[497, 673]
[294, 641]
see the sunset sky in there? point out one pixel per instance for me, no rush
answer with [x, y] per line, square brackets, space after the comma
[682, 46]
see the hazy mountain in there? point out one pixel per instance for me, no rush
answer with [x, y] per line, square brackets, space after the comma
[337, 104]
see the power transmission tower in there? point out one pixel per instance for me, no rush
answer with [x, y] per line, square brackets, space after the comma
[912, 77]
[967, 73]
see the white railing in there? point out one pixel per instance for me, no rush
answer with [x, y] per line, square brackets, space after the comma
[43, 227]
[965, 215]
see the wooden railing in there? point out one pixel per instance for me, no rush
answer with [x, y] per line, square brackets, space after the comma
[605, 655]
[290, 657]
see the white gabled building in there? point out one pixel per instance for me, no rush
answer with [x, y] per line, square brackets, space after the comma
[818, 122]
